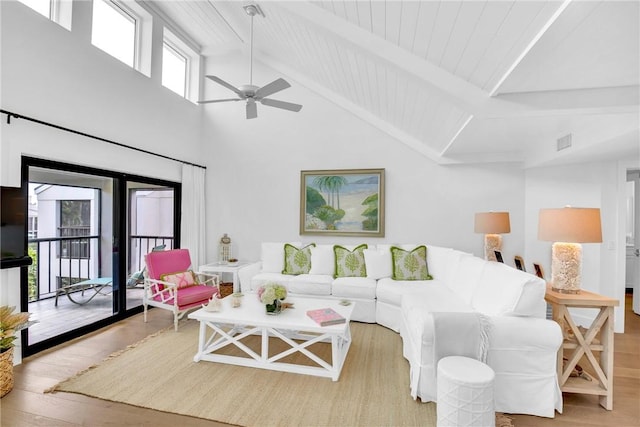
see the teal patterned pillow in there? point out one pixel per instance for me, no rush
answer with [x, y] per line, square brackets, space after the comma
[297, 261]
[350, 263]
[410, 265]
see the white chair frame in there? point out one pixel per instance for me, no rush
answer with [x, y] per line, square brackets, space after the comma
[167, 294]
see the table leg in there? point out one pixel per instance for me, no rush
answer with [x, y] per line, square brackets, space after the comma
[558, 317]
[606, 358]
[202, 337]
[236, 286]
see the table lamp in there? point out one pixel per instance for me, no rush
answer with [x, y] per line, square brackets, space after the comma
[568, 227]
[492, 224]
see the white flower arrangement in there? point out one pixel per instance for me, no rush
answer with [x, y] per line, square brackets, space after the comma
[270, 292]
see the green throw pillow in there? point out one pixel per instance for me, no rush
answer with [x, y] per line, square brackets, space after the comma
[297, 261]
[350, 263]
[410, 265]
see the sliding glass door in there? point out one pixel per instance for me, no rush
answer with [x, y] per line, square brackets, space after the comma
[150, 227]
[88, 233]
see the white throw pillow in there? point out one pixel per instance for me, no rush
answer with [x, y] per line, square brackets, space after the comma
[273, 256]
[378, 262]
[438, 261]
[322, 260]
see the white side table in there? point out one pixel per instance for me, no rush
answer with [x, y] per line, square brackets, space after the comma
[233, 268]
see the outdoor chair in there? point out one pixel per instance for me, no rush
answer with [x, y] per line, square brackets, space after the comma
[172, 284]
[137, 278]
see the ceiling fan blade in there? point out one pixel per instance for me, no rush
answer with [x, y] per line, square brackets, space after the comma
[219, 100]
[281, 104]
[271, 88]
[227, 85]
[252, 109]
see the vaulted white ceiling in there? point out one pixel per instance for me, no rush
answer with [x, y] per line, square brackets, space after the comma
[458, 81]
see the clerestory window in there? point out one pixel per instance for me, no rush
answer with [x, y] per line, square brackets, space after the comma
[180, 65]
[174, 69]
[114, 30]
[59, 11]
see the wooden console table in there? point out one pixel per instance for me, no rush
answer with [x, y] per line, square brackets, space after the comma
[577, 344]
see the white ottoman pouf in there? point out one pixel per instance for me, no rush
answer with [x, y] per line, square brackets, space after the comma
[465, 393]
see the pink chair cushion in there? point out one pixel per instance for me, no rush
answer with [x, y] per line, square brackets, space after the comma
[192, 295]
[167, 262]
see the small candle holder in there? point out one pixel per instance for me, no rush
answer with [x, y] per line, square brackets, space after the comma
[236, 299]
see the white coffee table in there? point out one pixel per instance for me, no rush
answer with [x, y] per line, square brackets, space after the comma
[231, 325]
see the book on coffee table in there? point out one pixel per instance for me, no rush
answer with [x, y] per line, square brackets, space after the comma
[326, 316]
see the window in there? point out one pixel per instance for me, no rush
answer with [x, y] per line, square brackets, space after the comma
[174, 69]
[114, 31]
[75, 221]
[43, 7]
[59, 11]
[180, 65]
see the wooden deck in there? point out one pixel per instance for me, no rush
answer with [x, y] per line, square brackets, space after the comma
[66, 316]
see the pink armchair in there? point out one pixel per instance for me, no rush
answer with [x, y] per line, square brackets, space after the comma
[172, 285]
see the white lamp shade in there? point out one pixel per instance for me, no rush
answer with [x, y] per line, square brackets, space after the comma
[572, 225]
[492, 223]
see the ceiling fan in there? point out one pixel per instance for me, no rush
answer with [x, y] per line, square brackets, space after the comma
[250, 93]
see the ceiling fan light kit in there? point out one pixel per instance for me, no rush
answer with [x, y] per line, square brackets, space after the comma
[251, 93]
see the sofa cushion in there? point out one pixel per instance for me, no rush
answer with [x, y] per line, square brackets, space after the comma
[192, 295]
[438, 261]
[410, 265]
[273, 256]
[350, 263]
[378, 263]
[391, 291]
[297, 260]
[310, 284]
[354, 287]
[503, 290]
[264, 278]
[322, 260]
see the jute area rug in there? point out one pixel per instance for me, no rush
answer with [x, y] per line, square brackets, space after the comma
[159, 373]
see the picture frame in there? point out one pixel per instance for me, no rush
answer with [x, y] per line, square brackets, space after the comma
[498, 256]
[342, 202]
[519, 262]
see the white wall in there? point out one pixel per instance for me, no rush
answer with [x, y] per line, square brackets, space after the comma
[253, 187]
[57, 76]
[593, 185]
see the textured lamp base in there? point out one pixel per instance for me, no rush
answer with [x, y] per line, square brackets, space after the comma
[492, 243]
[566, 264]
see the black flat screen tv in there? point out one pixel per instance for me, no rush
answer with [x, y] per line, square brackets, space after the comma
[13, 228]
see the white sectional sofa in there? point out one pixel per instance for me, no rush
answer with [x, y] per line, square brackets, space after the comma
[521, 345]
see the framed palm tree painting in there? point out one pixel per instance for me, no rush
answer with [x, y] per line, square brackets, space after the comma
[345, 202]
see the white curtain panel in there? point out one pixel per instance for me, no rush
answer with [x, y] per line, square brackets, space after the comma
[192, 225]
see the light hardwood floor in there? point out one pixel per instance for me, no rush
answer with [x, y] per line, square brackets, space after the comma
[27, 405]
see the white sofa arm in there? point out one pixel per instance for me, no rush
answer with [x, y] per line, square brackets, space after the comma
[246, 273]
